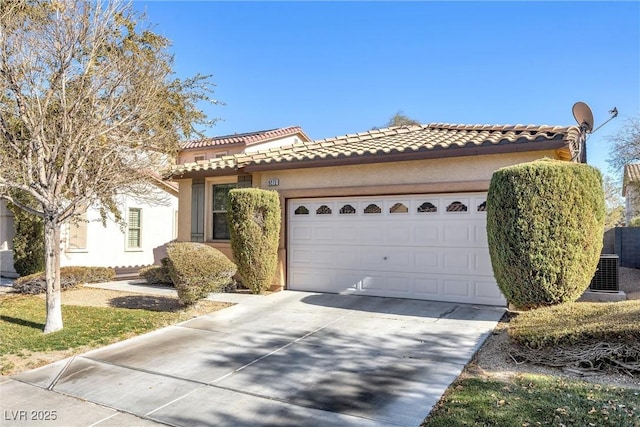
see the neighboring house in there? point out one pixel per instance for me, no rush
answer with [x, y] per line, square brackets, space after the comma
[220, 146]
[631, 191]
[224, 148]
[6, 241]
[140, 241]
[394, 212]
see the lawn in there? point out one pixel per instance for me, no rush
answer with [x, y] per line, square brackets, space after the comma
[582, 338]
[535, 400]
[22, 319]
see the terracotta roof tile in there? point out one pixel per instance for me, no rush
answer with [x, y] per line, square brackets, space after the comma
[631, 175]
[389, 141]
[248, 138]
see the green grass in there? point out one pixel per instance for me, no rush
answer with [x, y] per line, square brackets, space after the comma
[22, 320]
[535, 400]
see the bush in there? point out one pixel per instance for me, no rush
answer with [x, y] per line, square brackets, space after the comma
[197, 270]
[28, 242]
[157, 274]
[254, 223]
[545, 222]
[69, 277]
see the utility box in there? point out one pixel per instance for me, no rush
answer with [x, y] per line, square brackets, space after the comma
[606, 278]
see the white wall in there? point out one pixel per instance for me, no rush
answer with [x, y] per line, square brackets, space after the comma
[6, 241]
[107, 246]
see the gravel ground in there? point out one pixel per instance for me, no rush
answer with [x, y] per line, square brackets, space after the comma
[493, 360]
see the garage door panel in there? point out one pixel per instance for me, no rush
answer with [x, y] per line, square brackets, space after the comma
[301, 233]
[398, 235]
[487, 290]
[427, 234]
[371, 233]
[456, 287]
[324, 232]
[420, 246]
[428, 288]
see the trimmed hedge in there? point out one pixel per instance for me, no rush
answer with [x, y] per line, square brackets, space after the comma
[196, 270]
[254, 223]
[545, 222]
[157, 274]
[69, 277]
[28, 241]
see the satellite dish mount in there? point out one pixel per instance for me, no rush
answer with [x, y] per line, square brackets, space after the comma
[584, 116]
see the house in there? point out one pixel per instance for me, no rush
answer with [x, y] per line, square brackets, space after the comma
[631, 191]
[222, 148]
[6, 238]
[148, 227]
[397, 212]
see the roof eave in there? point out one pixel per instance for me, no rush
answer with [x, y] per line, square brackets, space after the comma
[413, 155]
[204, 173]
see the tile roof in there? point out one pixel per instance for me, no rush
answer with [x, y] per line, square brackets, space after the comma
[394, 143]
[247, 138]
[631, 175]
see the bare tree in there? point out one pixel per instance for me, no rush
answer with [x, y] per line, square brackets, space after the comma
[88, 107]
[614, 215]
[625, 147]
[400, 119]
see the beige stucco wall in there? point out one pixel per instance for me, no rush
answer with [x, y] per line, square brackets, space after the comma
[457, 174]
[446, 170]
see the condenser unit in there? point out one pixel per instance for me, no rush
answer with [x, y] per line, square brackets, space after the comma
[606, 277]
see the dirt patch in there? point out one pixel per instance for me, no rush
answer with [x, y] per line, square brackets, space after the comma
[493, 360]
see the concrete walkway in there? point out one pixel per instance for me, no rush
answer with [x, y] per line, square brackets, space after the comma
[287, 359]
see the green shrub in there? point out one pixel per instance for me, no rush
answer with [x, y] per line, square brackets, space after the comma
[157, 274]
[545, 222]
[28, 242]
[69, 277]
[634, 222]
[197, 270]
[254, 223]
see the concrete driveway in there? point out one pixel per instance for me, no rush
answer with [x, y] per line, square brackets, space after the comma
[288, 359]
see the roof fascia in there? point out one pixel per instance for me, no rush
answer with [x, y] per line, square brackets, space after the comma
[419, 155]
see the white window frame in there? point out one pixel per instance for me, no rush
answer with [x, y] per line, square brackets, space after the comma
[129, 228]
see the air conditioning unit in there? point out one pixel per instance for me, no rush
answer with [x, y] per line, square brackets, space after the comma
[606, 277]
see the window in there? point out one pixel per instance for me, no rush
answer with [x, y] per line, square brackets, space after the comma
[301, 210]
[199, 157]
[220, 223]
[78, 234]
[347, 210]
[482, 207]
[398, 208]
[457, 207]
[427, 207]
[323, 210]
[372, 209]
[134, 229]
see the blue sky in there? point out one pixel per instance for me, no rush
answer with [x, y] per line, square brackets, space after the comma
[344, 67]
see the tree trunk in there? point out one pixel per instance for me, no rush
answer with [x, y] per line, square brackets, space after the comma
[52, 273]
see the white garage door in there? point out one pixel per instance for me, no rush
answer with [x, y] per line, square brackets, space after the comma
[420, 246]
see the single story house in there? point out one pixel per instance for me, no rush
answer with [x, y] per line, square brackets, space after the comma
[631, 191]
[396, 212]
[149, 226]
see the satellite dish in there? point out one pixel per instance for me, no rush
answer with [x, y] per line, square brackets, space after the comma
[583, 115]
